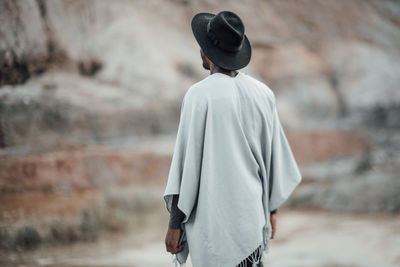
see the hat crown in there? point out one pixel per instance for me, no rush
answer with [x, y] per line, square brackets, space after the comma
[226, 30]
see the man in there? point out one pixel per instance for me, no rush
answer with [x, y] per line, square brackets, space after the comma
[232, 166]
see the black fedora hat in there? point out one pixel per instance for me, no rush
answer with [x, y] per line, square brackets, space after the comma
[222, 39]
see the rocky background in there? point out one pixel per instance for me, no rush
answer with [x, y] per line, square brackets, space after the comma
[90, 95]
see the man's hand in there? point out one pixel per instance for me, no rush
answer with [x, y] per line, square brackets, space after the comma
[273, 224]
[171, 240]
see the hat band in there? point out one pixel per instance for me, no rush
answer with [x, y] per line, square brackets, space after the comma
[212, 36]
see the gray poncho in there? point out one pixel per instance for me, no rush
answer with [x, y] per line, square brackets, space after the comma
[231, 166]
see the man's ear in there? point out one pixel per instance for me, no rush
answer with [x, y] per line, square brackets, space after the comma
[205, 59]
[208, 60]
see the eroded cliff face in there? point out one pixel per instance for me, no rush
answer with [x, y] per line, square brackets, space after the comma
[103, 73]
[23, 41]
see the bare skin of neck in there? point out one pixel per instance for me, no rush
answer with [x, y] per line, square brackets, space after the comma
[214, 69]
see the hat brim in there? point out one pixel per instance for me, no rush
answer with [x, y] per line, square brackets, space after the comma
[222, 58]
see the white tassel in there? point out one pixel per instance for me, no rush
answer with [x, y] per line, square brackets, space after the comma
[175, 260]
[254, 258]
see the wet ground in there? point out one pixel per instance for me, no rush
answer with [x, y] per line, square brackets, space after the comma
[304, 238]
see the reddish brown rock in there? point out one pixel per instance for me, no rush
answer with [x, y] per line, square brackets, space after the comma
[72, 168]
[309, 147]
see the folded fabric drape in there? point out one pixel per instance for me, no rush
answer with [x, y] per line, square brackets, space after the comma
[231, 166]
[176, 217]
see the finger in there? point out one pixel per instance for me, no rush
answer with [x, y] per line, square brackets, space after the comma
[169, 247]
[180, 248]
[177, 249]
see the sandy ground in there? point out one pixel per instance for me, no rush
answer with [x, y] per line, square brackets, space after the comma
[304, 238]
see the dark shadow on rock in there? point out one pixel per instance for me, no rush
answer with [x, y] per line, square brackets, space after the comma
[27, 238]
[90, 67]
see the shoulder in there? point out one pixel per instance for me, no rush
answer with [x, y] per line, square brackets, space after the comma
[262, 89]
[196, 94]
[261, 85]
[201, 87]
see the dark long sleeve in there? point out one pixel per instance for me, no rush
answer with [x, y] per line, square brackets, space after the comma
[176, 216]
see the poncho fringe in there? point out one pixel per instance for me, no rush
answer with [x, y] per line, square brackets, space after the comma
[255, 258]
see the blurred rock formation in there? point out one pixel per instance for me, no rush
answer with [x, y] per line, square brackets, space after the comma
[100, 73]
